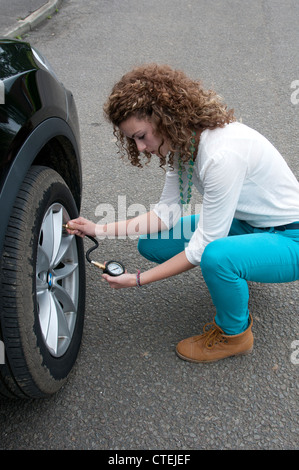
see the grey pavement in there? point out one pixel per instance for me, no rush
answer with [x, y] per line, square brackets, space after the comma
[18, 17]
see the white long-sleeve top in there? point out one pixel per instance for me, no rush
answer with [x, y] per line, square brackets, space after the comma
[240, 174]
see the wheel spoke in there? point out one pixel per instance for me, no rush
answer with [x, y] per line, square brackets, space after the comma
[57, 234]
[46, 238]
[43, 260]
[52, 233]
[66, 271]
[58, 334]
[52, 331]
[44, 306]
[65, 243]
[63, 330]
[64, 298]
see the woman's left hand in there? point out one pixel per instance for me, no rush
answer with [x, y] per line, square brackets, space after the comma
[119, 282]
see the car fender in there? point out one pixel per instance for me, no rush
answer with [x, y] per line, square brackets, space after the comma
[47, 130]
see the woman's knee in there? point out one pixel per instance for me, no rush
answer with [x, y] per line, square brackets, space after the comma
[213, 256]
[150, 249]
[144, 248]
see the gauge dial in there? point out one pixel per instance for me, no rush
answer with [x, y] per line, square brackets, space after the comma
[114, 268]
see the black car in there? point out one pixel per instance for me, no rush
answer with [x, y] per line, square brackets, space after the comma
[42, 281]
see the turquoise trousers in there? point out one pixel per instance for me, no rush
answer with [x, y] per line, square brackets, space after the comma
[246, 254]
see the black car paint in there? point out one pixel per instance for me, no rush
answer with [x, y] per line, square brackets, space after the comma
[38, 122]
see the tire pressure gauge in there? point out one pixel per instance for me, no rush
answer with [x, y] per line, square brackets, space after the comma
[113, 268]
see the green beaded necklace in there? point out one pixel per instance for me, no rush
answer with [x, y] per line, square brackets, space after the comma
[189, 176]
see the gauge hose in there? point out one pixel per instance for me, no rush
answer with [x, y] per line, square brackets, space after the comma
[94, 247]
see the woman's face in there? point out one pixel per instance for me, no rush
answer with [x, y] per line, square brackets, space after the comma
[146, 137]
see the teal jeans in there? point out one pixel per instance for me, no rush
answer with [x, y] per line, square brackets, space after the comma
[246, 254]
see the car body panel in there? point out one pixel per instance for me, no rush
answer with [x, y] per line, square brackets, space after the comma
[37, 111]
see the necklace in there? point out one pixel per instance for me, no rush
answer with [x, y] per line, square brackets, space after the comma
[185, 204]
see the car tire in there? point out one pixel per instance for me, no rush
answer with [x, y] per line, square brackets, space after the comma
[42, 289]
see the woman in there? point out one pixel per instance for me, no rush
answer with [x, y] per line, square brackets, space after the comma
[248, 229]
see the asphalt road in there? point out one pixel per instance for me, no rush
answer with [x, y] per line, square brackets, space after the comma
[128, 389]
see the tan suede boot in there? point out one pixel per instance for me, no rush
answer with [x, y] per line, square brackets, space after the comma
[213, 345]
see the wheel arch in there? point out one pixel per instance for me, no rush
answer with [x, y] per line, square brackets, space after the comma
[51, 144]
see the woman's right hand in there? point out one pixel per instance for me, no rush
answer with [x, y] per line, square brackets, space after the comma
[81, 227]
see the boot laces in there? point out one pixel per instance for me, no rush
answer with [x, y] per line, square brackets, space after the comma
[212, 336]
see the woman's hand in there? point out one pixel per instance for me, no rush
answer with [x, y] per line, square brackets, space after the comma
[81, 227]
[119, 282]
[176, 265]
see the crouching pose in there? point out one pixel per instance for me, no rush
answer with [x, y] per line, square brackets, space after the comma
[248, 228]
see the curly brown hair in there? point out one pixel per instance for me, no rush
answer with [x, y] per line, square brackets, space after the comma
[177, 105]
